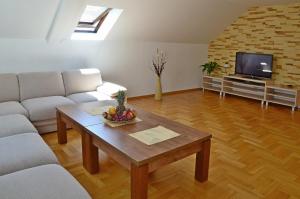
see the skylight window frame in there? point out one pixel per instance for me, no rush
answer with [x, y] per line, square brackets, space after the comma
[88, 32]
[99, 21]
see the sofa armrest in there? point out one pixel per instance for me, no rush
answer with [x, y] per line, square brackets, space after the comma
[110, 89]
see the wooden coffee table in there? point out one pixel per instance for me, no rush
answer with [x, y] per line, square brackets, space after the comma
[139, 158]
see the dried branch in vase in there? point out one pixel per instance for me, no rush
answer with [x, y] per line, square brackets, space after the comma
[159, 61]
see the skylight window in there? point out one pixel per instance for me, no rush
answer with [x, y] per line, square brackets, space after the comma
[95, 23]
[91, 13]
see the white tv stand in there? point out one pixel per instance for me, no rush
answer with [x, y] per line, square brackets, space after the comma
[262, 90]
[244, 87]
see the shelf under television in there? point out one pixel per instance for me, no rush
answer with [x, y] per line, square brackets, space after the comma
[213, 88]
[244, 84]
[243, 94]
[281, 102]
[282, 96]
[242, 79]
[212, 83]
[216, 78]
[244, 88]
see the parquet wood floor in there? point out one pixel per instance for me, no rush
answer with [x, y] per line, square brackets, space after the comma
[255, 152]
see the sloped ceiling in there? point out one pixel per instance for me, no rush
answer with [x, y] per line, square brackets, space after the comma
[191, 21]
[26, 18]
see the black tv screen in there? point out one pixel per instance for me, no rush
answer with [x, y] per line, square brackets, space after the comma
[255, 65]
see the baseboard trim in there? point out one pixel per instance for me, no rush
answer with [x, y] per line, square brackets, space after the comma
[166, 93]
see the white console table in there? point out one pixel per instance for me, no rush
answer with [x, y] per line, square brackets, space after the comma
[261, 90]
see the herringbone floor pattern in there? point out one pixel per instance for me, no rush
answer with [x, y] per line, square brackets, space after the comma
[255, 152]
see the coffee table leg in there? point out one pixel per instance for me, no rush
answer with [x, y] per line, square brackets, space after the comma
[61, 129]
[139, 182]
[89, 154]
[202, 162]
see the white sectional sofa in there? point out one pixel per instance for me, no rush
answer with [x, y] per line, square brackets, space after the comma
[28, 101]
[37, 94]
[28, 167]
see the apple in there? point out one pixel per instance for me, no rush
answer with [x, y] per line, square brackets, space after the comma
[129, 115]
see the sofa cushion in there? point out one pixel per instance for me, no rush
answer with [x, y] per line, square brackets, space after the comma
[24, 151]
[82, 80]
[44, 108]
[40, 84]
[89, 97]
[14, 125]
[7, 108]
[9, 87]
[47, 181]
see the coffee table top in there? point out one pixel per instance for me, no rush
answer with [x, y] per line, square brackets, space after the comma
[119, 139]
[77, 112]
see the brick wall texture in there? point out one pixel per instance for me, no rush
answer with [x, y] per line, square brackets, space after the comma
[271, 30]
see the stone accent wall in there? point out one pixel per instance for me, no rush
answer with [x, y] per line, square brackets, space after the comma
[271, 30]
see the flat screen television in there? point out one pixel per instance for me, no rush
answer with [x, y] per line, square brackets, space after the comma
[254, 65]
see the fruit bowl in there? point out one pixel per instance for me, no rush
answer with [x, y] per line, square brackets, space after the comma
[115, 116]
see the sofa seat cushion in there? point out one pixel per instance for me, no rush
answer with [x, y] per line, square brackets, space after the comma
[47, 181]
[12, 107]
[89, 97]
[44, 108]
[24, 151]
[14, 125]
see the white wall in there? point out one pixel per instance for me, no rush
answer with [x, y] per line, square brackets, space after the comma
[26, 55]
[126, 63]
[129, 64]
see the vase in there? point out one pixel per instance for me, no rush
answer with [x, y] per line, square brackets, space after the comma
[158, 93]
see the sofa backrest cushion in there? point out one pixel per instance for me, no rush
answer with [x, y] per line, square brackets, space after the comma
[40, 84]
[81, 80]
[9, 87]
